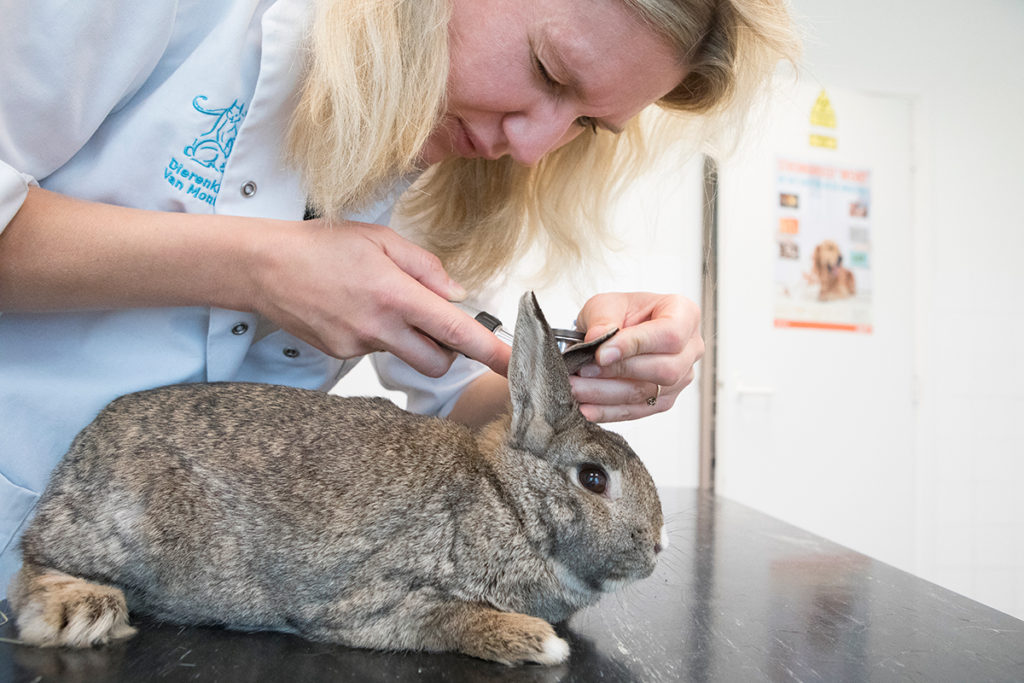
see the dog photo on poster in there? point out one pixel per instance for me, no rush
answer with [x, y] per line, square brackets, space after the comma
[823, 247]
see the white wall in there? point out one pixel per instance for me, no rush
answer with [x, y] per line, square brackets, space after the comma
[960, 63]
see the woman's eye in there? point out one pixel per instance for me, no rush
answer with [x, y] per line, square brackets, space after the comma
[539, 65]
[593, 478]
[587, 122]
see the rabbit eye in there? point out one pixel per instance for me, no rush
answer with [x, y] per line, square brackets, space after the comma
[593, 478]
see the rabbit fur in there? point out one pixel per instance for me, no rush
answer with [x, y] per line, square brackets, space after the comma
[341, 519]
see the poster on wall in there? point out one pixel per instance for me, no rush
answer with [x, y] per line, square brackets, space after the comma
[823, 243]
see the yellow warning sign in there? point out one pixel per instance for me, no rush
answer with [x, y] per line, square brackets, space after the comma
[822, 113]
[823, 116]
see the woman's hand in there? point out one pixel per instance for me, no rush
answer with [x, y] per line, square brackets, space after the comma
[353, 288]
[347, 289]
[657, 345]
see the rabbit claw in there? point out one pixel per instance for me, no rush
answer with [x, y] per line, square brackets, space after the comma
[55, 609]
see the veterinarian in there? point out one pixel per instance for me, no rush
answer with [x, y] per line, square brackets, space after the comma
[157, 160]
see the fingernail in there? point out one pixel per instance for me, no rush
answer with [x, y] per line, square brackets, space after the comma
[589, 371]
[456, 292]
[609, 355]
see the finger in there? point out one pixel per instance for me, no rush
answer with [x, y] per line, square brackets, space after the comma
[649, 323]
[625, 309]
[420, 352]
[420, 264]
[601, 313]
[453, 328]
[620, 413]
[610, 392]
[660, 337]
[666, 370]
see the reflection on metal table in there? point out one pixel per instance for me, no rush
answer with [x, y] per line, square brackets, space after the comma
[737, 596]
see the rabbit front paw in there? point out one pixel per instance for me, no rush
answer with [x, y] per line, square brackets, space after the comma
[505, 637]
[55, 609]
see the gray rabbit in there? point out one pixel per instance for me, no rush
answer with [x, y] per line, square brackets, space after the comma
[342, 519]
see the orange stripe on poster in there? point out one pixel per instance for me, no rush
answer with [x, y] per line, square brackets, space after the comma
[823, 326]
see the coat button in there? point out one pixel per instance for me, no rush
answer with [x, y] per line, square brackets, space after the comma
[291, 353]
[248, 189]
[240, 329]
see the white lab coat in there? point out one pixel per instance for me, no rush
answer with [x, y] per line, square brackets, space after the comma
[173, 105]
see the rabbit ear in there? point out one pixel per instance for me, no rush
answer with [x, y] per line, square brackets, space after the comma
[538, 382]
[578, 355]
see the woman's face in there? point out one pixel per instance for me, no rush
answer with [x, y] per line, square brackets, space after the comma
[527, 76]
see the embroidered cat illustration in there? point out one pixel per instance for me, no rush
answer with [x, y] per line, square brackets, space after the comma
[212, 148]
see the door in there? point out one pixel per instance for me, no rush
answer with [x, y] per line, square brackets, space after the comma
[815, 416]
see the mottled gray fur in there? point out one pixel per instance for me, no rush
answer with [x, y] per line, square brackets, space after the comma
[342, 519]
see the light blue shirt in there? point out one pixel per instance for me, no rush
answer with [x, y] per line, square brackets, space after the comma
[166, 105]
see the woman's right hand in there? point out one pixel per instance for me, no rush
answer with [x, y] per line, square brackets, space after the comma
[352, 288]
[347, 288]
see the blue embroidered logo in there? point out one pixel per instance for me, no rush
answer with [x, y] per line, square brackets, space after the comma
[212, 148]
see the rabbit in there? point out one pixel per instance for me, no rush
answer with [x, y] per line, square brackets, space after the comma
[349, 520]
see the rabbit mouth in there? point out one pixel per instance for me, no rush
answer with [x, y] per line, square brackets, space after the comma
[606, 581]
[614, 583]
[617, 580]
[611, 585]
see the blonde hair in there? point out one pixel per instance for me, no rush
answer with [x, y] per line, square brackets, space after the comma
[375, 91]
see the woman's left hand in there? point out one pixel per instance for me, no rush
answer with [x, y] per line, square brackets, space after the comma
[642, 369]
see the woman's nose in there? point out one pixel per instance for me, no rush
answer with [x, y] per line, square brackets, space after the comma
[532, 135]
